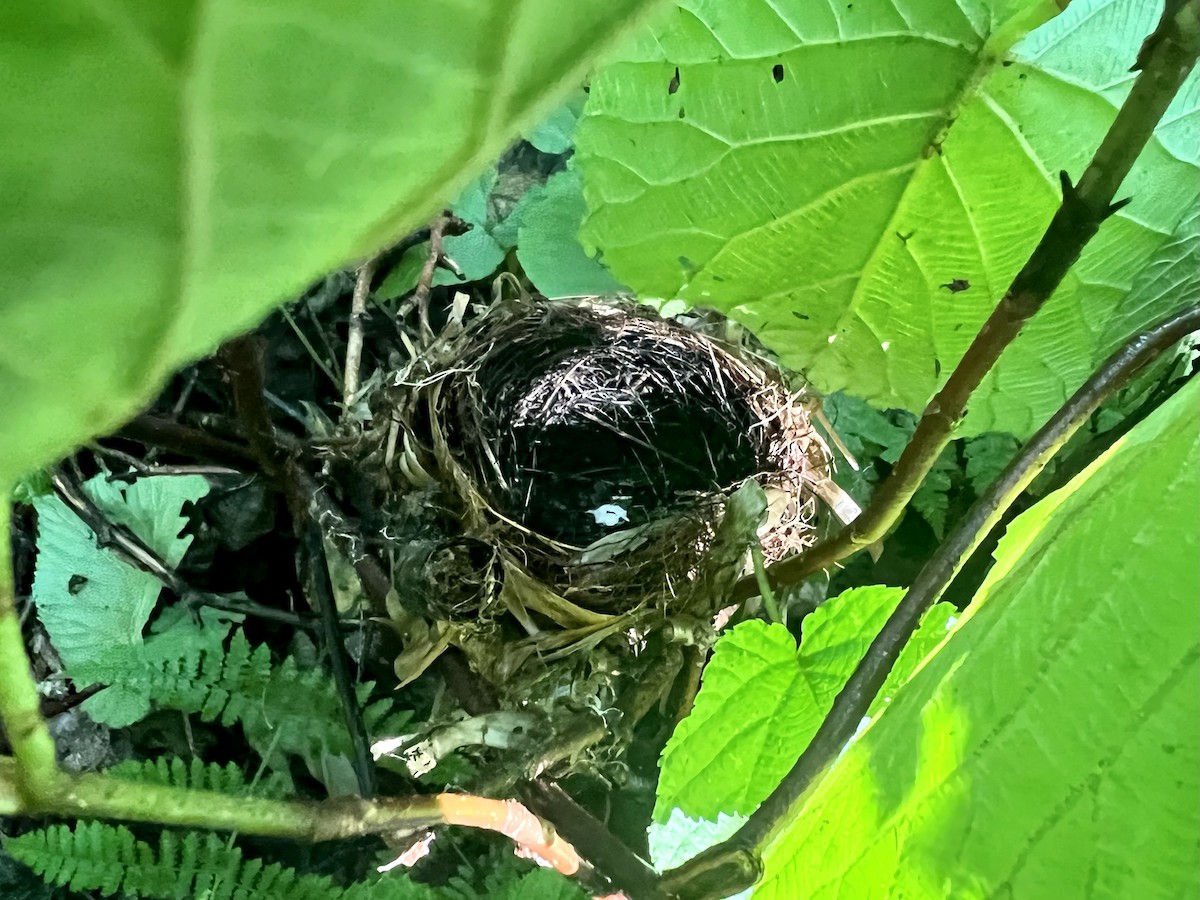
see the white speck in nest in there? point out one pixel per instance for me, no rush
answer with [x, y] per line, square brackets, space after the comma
[885, 345]
[832, 338]
[609, 514]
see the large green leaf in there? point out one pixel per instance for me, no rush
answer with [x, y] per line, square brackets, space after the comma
[859, 182]
[1050, 748]
[172, 170]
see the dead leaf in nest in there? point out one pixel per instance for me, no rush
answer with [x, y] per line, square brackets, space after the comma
[423, 642]
[522, 592]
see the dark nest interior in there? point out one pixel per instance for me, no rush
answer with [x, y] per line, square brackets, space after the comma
[586, 413]
[577, 420]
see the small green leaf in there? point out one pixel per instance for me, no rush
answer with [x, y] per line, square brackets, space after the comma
[761, 701]
[556, 134]
[864, 430]
[932, 499]
[404, 276]
[987, 455]
[476, 253]
[548, 244]
[89, 600]
[179, 644]
[541, 884]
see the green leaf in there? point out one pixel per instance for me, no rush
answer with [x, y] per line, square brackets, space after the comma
[680, 837]
[181, 647]
[91, 602]
[403, 278]
[548, 245]
[932, 499]
[1049, 748]
[866, 431]
[761, 701]
[858, 183]
[173, 171]
[987, 455]
[541, 884]
[477, 252]
[556, 134]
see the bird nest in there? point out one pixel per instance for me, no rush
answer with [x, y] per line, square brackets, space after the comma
[595, 446]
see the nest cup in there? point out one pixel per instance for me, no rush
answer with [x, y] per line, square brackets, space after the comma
[595, 443]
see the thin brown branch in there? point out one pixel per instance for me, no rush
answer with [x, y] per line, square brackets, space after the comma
[437, 229]
[354, 342]
[862, 687]
[243, 361]
[186, 441]
[121, 541]
[624, 869]
[1165, 60]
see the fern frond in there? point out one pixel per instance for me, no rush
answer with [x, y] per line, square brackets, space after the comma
[109, 859]
[205, 670]
[391, 886]
[201, 776]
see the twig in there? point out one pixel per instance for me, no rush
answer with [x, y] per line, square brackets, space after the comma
[106, 797]
[185, 394]
[133, 550]
[425, 282]
[243, 360]
[339, 659]
[862, 687]
[187, 441]
[307, 344]
[354, 343]
[764, 586]
[172, 471]
[624, 869]
[610, 858]
[110, 535]
[1164, 61]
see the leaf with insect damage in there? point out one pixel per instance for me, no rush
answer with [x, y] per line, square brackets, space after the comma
[859, 182]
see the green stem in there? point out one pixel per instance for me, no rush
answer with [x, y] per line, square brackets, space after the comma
[764, 586]
[37, 774]
[106, 797]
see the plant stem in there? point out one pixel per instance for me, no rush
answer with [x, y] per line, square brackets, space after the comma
[339, 658]
[862, 687]
[108, 797]
[20, 707]
[437, 229]
[187, 441]
[354, 341]
[1166, 58]
[764, 586]
[623, 868]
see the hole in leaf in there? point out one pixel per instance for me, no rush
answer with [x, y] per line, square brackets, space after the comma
[777, 72]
